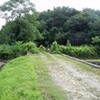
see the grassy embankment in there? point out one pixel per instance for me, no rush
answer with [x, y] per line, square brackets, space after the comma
[18, 80]
[27, 78]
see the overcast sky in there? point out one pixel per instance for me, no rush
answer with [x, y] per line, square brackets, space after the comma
[42, 5]
[78, 4]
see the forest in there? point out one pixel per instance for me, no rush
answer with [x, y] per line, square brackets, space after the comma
[77, 33]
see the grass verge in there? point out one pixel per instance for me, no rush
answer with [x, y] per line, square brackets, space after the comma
[18, 80]
[94, 60]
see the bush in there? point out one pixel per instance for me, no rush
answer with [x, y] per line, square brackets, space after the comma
[42, 48]
[96, 42]
[30, 47]
[79, 51]
[6, 52]
[68, 43]
[55, 48]
[17, 49]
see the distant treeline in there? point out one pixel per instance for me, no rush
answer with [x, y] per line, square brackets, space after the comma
[60, 24]
[63, 23]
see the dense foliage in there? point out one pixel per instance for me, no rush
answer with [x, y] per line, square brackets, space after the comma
[13, 9]
[66, 26]
[80, 51]
[18, 49]
[96, 42]
[22, 29]
[75, 51]
[60, 24]
[63, 23]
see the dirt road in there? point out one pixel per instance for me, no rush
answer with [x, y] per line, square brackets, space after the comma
[77, 84]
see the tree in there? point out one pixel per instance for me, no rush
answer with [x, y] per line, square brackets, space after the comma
[21, 21]
[64, 23]
[22, 29]
[52, 24]
[15, 9]
[79, 28]
[96, 42]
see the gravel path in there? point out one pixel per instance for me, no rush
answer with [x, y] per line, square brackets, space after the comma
[77, 85]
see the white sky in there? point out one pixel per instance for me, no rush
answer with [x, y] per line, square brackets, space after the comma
[42, 5]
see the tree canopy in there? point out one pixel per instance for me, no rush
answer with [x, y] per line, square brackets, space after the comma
[16, 8]
[61, 24]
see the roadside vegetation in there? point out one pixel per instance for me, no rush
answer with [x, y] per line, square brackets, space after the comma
[96, 60]
[17, 49]
[83, 52]
[18, 80]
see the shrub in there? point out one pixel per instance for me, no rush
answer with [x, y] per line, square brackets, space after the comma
[55, 48]
[96, 42]
[6, 52]
[30, 47]
[79, 51]
[68, 43]
[42, 48]
[17, 49]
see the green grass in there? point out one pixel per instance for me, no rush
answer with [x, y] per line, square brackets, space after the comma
[79, 65]
[49, 90]
[18, 80]
[94, 60]
[27, 78]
